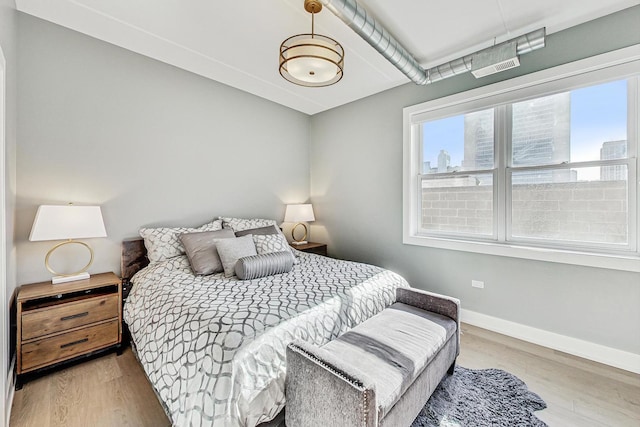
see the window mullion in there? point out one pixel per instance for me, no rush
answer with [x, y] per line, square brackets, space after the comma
[502, 196]
[420, 148]
[633, 133]
[573, 165]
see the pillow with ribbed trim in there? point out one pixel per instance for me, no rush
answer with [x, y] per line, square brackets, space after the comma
[253, 267]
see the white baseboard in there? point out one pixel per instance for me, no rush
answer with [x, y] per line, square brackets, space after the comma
[10, 392]
[577, 347]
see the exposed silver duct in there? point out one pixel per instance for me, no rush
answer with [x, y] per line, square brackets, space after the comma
[524, 44]
[356, 17]
[372, 31]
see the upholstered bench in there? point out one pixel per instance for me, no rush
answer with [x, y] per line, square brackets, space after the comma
[380, 373]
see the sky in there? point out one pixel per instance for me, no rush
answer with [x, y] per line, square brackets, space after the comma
[598, 114]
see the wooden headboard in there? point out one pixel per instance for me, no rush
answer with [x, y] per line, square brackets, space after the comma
[134, 257]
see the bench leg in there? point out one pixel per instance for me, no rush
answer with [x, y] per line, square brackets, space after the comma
[451, 368]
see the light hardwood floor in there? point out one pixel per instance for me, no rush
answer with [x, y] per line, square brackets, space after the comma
[113, 390]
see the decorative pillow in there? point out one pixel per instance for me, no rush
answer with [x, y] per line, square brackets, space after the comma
[201, 250]
[231, 250]
[271, 229]
[253, 267]
[269, 243]
[163, 243]
[241, 224]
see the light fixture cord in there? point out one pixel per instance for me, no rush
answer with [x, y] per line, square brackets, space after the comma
[313, 14]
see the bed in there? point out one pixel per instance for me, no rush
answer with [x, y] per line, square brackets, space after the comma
[214, 347]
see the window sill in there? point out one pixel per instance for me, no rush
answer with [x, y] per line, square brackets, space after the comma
[630, 262]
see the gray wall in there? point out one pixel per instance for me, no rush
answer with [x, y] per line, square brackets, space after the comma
[356, 190]
[152, 144]
[8, 42]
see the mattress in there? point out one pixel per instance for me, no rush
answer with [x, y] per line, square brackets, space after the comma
[214, 347]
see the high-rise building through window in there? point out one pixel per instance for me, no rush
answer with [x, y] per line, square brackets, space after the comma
[478, 140]
[540, 134]
[612, 150]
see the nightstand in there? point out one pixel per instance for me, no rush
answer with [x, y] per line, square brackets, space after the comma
[314, 248]
[65, 322]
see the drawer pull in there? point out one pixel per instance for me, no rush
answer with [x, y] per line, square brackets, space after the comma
[74, 343]
[75, 316]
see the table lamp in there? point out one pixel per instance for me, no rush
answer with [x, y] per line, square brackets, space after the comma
[67, 223]
[299, 214]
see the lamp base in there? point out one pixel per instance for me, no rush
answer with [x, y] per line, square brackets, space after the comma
[302, 241]
[64, 279]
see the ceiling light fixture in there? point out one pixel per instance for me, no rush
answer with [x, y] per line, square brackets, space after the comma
[311, 60]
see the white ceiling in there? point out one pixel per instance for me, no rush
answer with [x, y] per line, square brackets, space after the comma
[237, 42]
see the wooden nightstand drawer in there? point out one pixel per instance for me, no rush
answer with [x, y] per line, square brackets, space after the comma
[66, 322]
[49, 320]
[65, 346]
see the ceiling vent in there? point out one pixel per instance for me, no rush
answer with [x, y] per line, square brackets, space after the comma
[495, 59]
[488, 61]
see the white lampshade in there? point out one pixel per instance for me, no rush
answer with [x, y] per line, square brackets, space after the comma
[299, 213]
[67, 222]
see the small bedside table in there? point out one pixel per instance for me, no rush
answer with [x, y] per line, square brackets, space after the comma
[58, 323]
[312, 247]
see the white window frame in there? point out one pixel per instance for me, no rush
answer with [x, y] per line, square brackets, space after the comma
[618, 64]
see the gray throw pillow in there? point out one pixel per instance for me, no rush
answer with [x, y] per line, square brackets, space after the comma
[270, 229]
[253, 267]
[239, 224]
[231, 250]
[201, 250]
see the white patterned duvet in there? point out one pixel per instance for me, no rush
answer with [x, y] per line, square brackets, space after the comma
[214, 348]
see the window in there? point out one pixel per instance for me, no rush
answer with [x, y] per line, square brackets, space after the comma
[457, 194]
[545, 171]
